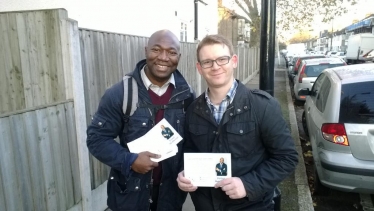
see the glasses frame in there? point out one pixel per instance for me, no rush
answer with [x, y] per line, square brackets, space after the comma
[212, 62]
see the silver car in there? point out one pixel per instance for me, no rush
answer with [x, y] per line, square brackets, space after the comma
[339, 119]
[308, 72]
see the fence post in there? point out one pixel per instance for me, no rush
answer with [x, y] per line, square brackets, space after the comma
[80, 113]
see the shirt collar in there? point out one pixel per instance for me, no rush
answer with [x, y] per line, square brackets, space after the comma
[147, 83]
[230, 94]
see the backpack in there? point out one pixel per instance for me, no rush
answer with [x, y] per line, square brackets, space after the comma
[130, 98]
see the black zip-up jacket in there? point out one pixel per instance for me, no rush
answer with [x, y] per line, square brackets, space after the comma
[128, 190]
[262, 150]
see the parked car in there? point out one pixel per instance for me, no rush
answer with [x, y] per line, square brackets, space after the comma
[340, 55]
[339, 119]
[296, 63]
[331, 53]
[309, 71]
[291, 67]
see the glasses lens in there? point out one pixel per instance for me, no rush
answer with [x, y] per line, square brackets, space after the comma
[223, 60]
[220, 61]
[206, 64]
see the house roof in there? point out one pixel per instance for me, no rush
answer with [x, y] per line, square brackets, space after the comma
[366, 22]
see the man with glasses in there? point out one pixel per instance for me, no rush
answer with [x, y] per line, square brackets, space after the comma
[230, 118]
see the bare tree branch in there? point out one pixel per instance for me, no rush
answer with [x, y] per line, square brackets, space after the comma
[241, 7]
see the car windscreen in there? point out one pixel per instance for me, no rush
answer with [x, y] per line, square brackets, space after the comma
[315, 70]
[357, 103]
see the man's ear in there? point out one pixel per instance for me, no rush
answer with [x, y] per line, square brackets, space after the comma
[145, 51]
[234, 60]
[199, 68]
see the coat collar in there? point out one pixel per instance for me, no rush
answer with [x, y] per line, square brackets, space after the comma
[239, 105]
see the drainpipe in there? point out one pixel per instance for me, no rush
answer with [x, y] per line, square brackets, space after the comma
[196, 18]
[196, 24]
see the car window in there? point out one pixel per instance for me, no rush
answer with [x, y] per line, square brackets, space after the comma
[357, 103]
[323, 95]
[315, 70]
[316, 87]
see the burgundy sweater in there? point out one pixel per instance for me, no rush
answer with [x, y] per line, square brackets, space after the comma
[159, 100]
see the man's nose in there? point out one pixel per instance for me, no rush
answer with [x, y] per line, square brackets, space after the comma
[163, 55]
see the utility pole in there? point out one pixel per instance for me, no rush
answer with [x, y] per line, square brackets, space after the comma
[332, 33]
[267, 52]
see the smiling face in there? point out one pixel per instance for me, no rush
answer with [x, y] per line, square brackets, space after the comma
[162, 55]
[221, 160]
[217, 76]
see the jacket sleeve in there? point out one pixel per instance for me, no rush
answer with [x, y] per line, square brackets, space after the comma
[282, 156]
[106, 125]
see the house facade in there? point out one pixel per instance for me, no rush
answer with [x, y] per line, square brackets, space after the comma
[338, 41]
[140, 17]
[233, 26]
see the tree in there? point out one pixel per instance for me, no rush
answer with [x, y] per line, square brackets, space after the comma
[300, 37]
[293, 14]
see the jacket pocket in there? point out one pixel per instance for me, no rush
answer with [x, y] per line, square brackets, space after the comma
[180, 119]
[137, 127]
[241, 138]
[98, 121]
[125, 194]
[199, 135]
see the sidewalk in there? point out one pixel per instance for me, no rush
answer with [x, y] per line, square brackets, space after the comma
[296, 195]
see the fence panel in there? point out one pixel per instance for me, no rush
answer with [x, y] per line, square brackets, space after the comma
[38, 158]
[31, 60]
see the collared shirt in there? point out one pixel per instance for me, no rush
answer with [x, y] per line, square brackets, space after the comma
[219, 110]
[156, 89]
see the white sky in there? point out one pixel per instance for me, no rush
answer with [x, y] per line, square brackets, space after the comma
[136, 17]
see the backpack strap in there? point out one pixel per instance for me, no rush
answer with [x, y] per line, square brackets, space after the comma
[130, 95]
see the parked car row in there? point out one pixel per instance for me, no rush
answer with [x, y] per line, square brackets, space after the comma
[308, 72]
[339, 120]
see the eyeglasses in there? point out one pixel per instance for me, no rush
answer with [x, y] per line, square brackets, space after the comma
[220, 61]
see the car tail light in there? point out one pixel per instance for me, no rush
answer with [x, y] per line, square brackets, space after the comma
[335, 132]
[297, 64]
[302, 74]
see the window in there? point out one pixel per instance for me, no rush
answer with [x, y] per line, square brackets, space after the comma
[323, 95]
[315, 70]
[316, 87]
[183, 32]
[357, 103]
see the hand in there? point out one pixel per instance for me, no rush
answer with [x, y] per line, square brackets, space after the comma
[143, 162]
[184, 183]
[233, 187]
[217, 169]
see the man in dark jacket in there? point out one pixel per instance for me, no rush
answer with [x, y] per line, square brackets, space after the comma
[221, 168]
[166, 132]
[135, 181]
[230, 118]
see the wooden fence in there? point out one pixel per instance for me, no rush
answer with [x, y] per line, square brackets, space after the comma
[52, 77]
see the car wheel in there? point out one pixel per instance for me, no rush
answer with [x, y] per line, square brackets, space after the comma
[319, 189]
[303, 120]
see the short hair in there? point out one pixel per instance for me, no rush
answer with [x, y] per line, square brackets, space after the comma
[214, 39]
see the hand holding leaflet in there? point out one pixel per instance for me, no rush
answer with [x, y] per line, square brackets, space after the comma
[162, 139]
[206, 169]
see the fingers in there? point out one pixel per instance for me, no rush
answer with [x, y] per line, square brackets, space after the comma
[184, 183]
[233, 187]
[152, 155]
[223, 183]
